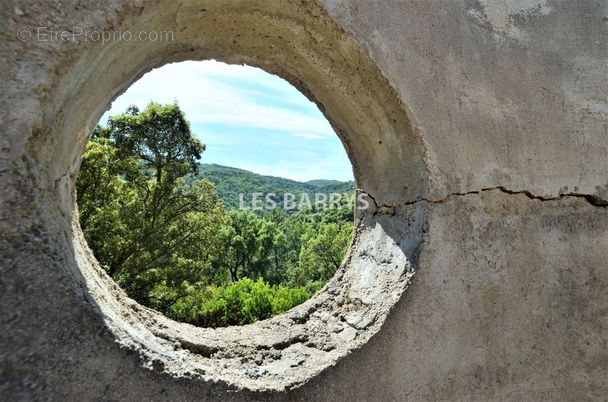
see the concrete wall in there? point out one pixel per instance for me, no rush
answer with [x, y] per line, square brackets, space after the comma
[506, 105]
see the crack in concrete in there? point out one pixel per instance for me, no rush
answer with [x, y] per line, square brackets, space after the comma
[384, 209]
[591, 199]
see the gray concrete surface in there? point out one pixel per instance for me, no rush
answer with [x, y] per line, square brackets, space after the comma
[480, 129]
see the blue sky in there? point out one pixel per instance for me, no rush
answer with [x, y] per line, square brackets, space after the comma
[247, 118]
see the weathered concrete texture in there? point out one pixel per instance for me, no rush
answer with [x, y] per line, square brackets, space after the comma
[480, 130]
[504, 92]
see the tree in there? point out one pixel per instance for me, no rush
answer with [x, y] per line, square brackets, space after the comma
[153, 150]
[144, 218]
[159, 137]
[240, 238]
[323, 247]
[278, 248]
[104, 197]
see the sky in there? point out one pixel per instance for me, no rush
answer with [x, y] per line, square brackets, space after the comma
[247, 118]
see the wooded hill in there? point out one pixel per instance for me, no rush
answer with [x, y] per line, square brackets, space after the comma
[230, 182]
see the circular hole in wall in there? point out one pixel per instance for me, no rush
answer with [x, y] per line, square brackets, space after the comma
[302, 44]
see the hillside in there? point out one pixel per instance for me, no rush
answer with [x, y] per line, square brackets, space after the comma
[231, 182]
[322, 182]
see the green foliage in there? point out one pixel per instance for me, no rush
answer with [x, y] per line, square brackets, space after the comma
[323, 247]
[159, 137]
[292, 249]
[139, 214]
[242, 302]
[160, 229]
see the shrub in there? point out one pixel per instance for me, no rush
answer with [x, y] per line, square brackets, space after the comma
[242, 302]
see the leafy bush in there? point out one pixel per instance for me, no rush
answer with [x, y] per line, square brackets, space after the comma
[242, 302]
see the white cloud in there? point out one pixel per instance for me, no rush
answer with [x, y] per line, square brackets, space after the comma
[207, 100]
[309, 136]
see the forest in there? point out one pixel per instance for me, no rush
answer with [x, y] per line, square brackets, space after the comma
[169, 230]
